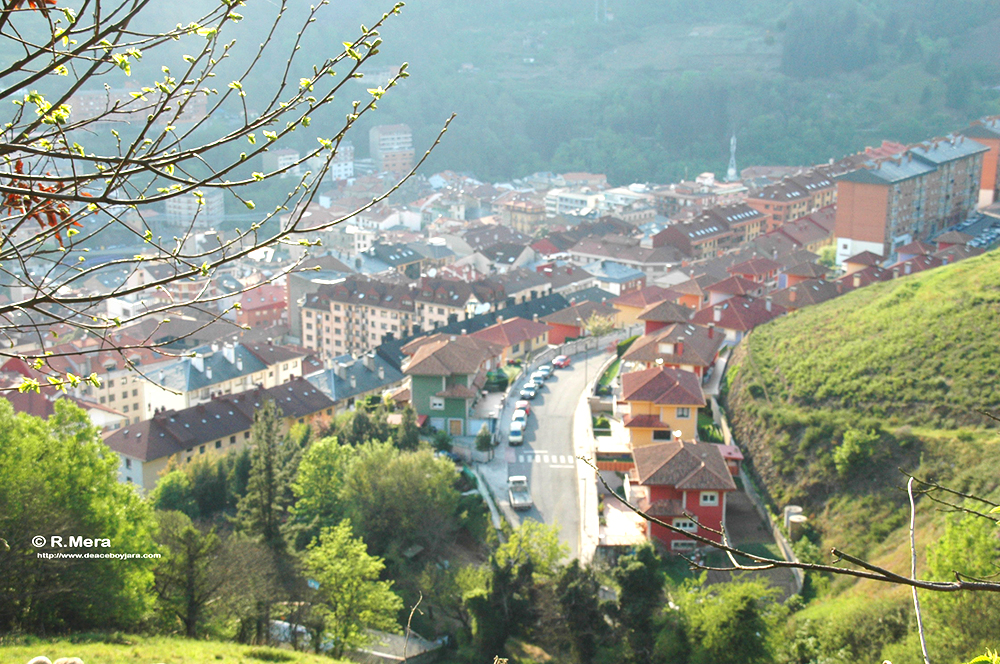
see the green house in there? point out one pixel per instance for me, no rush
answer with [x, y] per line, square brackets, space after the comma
[446, 374]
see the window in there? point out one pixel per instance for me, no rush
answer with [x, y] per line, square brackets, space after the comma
[661, 434]
[437, 403]
[125, 408]
[516, 348]
[709, 498]
[683, 413]
[284, 366]
[111, 397]
[124, 394]
[246, 435]
[309, 326]
[201, 449]
[135, 392]
[329, 411]
[128, 463]
[102, 399]
[232, 440]
[218, 444]
[309, 314]
[682, 545]
[686, 525]
[309, 337]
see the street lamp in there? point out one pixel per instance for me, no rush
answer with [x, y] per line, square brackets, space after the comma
[585, 356]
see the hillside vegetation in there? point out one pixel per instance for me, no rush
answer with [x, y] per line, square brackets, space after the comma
[831, 431]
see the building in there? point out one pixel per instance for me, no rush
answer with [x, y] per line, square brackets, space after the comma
[263, 306]
[715, 230]
[446, 374]
[615, 277]
[218, 426]
[794, 197]
[352, 379]
[632, 303]
[391, 148]
[522, 212]
[658, 402]
[684, 484]
[286, 160]
[738, 315]
[356, 315]
[893, 201]
[987, 132]
[682, 346]
[518, 337]
[570, 323]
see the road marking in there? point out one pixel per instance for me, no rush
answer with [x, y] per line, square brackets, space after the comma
[562, 458]
[555, 465]
[545, 458]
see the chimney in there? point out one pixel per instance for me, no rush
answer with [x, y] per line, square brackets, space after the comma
[215, 348]
[369, 361]
[229, 352]
[767, 303]
[857, 281]
[340, 370]
[198, 362]
[534, 317]
[717, 313]
[793, 293]
[381, 372]
[354, 381]
[679, 348]
[208, 373]
[499, 319]
[239, 363]
[711, 330]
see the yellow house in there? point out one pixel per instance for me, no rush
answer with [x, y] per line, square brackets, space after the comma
[659, 401]
[633, 303]
[218, 426]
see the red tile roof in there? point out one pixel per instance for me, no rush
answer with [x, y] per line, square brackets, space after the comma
[865, 258]
[663, 386]
[698, 346]
[735, 285]
[684, 465]
[666, 312]
[739, 313]
[644, 297]
[755, 266]
[506, 333]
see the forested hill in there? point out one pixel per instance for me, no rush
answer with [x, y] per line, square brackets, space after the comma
[833, 400]
[655, 89]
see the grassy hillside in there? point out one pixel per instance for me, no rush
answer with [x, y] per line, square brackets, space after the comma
[147, 650]
[834, 400]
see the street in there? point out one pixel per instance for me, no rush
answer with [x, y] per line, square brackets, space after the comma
[547, 456]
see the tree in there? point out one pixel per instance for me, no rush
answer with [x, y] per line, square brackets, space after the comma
[729, 621]
[58, 479]
[578, 591]
[598, 326]
[408, 433]
[173, 493]
[484, 441]
[640, 593]
[350, 596]
[198, 122]
[187, 578]
[260, 510]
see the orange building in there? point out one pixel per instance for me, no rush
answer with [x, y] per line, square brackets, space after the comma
[794, 197]
[987, 132]
[891, 202]
[659, 402]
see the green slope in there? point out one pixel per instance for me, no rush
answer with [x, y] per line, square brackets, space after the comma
[834, 400]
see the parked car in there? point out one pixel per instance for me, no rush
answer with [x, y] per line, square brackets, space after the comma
[528, 392]
[516, 435]
[534, 384]
[562, 361]
[545, 369]
[519, 416]
[523, 405]
[518, 492]
[538, 377]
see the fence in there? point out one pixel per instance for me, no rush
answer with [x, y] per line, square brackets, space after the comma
[750, 489]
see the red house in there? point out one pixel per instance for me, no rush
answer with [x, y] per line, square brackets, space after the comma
[682, 483]
[569, 323]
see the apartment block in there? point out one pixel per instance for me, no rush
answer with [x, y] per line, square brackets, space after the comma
[794, 197]
[891, 202]
[391, 147]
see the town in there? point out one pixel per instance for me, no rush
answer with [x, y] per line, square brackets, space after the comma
[627, 299]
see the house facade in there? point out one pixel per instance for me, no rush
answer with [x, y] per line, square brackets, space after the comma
[658, 402]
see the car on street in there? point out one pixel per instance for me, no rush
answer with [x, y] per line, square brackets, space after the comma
[538, 377]
[545, 370]
[534, 384]
[519, 493]
[523, 405]
[562, 361]
[516, 435]
[528, 392]
[519, 416]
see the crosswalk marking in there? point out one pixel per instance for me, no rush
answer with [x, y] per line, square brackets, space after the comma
[554, 460]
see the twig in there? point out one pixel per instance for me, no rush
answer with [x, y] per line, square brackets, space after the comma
[406, 641]
[913, 569]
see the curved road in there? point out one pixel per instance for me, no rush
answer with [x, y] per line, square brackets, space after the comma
[547, 455]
